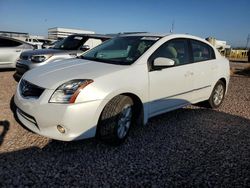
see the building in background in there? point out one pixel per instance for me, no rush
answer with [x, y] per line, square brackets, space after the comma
[20, 36]
[237, 55]
[38, 41]
[16, 35]
[56, 33]
[248, 55]
[221, 45]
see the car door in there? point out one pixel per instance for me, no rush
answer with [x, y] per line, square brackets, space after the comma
[204, 69]
[170, 87]
[9, 52]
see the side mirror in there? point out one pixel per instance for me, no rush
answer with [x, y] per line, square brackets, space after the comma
[162, 62]
[85, 48]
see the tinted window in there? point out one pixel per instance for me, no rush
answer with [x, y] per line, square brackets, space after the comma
[9, 43]
[176, 50]
[201, 51]
[71, 43]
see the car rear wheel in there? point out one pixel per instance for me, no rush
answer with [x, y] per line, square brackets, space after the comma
[116, 120]
[217, 95]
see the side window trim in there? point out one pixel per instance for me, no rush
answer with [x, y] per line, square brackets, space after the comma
[190, 51]
[212, 52]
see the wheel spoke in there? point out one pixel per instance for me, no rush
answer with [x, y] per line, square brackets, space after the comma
[128, 112]
[124, 122]
[218, 94]
[120, 131]
[127, 124]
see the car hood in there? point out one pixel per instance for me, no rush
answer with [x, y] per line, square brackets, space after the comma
[52, 75]
[47, 51]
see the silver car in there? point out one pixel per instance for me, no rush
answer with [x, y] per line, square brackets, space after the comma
[69, 47]
[10, 50]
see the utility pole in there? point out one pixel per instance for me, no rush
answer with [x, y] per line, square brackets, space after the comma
[248, 39]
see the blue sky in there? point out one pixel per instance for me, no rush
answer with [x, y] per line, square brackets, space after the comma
[223, 19]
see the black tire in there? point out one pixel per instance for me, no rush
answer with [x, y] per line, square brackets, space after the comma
[112, 119]
[212, 100]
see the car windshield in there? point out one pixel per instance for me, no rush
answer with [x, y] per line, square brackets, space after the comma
[71, 43]
[123, 50]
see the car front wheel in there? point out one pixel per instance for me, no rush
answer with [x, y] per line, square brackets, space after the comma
[116, 120]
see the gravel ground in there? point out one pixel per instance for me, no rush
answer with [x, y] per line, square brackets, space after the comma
[192, 146]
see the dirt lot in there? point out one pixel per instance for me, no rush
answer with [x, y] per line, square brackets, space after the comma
[192, 146]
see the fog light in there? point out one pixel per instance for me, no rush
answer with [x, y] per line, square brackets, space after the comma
[60, 129]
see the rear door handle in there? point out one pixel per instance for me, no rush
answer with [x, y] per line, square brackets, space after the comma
[18, 50]
[214, 67]
[189, 73]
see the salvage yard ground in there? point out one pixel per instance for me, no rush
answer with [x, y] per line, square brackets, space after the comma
[190, 146]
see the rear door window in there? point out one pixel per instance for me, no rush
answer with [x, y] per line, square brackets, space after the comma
[201, 51]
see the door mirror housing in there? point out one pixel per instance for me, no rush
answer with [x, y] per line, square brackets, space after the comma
[162, 62]
[85, 48]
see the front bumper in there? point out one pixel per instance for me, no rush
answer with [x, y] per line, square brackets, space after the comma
[21, 68]
[79, 120]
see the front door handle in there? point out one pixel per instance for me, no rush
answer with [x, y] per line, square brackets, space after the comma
[18, 50]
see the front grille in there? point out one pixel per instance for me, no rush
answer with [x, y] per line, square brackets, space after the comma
[28, 89]
[21, 69]
[24, 57]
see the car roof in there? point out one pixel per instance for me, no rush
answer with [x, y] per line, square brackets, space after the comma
[14, 39]
[96, 36]
[162, 35]
[5, 37]
[145, 34]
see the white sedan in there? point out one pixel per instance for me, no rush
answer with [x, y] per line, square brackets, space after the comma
[120, 83]
[10, 50]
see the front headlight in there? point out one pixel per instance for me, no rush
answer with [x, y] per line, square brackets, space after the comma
[40, 58]
[68, 92]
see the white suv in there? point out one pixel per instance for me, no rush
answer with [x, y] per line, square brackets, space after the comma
[34, 42]
[120, 83]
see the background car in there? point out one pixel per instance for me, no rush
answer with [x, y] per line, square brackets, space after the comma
[34, 42]
[49, 44]
[121, 83]
[10, 50]
[69, 47]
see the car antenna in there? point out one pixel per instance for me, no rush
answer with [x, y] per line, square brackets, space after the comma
[172, 26]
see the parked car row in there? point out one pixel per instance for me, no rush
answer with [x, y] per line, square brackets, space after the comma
[23, 55]
[11, 49]
[69, 47]
[122, 82]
